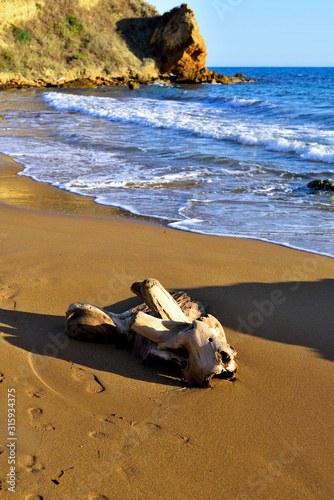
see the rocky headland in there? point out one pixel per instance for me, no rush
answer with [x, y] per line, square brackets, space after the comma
[84, 43]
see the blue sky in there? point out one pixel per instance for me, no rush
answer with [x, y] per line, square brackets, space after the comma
[263, 32]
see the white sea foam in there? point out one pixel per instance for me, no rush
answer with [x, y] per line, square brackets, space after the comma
[186, 167]
[93, 185]
[238, 102]
[157, 83]
[306, 142]
[133, 180]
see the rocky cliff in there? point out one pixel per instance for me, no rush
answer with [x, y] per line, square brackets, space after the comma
[180, 49]
[89, 42]
[177, 42]
[67, 39]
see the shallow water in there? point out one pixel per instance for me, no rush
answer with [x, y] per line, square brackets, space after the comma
[228, 160]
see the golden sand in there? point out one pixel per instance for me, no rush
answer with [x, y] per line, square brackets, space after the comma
[91, 420]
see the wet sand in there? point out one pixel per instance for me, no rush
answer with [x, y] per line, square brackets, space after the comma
[91, 420]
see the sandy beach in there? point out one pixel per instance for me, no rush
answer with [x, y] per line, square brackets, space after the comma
[92, 423]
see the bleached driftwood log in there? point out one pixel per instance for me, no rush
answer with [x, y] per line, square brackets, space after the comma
[172, 328]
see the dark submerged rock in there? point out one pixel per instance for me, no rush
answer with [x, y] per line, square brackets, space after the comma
[321, 185]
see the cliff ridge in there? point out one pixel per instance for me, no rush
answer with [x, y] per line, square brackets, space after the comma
[97, 42]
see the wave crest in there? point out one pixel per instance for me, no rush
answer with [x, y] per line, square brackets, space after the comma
[196, 118]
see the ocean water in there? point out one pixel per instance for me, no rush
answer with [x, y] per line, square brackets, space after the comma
[226, 160]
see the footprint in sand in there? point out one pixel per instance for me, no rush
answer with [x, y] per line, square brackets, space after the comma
[91, 382]
[126, 434]
[7, 292]
[144, 428]
[36, 415]
[30, 463]
[34, 393]
[96, 496]
[97, 434]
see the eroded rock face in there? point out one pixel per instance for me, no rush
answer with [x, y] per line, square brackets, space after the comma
[178, 44]
[173, 39]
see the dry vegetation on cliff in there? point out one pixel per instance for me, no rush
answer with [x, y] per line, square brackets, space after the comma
[75, 38]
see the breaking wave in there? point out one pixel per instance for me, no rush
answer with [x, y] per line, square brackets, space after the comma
[194, 117]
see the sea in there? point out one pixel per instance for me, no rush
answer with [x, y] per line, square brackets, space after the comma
[229, 160]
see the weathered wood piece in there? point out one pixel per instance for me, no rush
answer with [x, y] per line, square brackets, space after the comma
[190, 307]
[202, 342]
[92, 324]
[179, 307]
[202, 351]
[89, 323]
[174, 328]
[158, 300]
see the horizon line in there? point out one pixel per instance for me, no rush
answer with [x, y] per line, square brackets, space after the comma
[264, 66]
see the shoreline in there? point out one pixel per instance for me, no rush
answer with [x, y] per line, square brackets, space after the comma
[91, 420]
[133, 82]
[44, 197]
[23, 192]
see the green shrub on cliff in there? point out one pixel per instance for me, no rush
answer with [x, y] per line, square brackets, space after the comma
[8, 55]
[22, 35]
[71, 39]
[78, 55]
[6, 58]
[74, 24]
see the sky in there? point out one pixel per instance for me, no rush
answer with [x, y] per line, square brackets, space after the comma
[241, 33]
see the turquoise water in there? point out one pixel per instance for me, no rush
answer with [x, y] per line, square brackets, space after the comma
[229, 160]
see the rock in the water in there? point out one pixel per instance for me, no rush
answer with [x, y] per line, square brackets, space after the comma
[134, 85]
[240, 75]
[235, 79]
[78, 83]
[321, 185]
[225, 80]
[178, 44]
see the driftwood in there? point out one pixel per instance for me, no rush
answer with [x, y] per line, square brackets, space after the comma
[172, 327]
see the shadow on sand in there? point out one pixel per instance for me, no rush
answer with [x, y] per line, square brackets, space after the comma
[299, 313]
